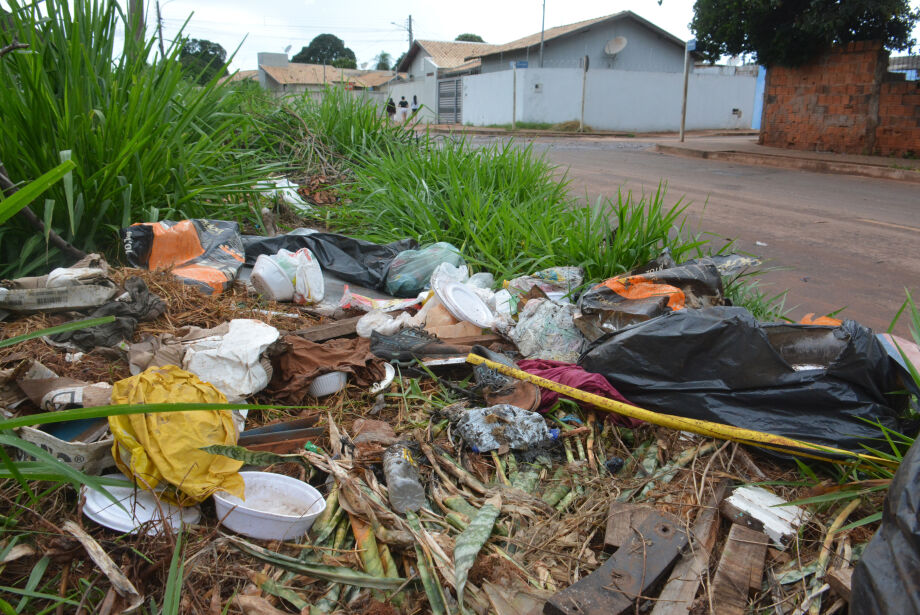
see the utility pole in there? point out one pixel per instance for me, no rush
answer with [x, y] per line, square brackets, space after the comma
[160, 31]
[542, 29]
[411, 40]
[584, 90]
[690, 46]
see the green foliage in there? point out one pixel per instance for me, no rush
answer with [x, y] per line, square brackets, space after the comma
[203, 59]
[399, 61]
[791, 32]
[472, 539]
[383, 61]
[327, 49]
[10, 206]
[147, 144]
[469, 38]
[504, 208]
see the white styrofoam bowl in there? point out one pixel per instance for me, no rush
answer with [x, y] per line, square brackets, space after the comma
[277, 507]
[270, 280]
[327, 384]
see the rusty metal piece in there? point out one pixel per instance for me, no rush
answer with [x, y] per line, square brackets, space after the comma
[630, 573]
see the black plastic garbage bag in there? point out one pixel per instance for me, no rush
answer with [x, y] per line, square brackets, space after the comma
[141, 305]
[719, 364]
[885, 581]
[352, 260]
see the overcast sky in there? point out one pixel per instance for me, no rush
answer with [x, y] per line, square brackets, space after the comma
[367, 27]
[371, 26]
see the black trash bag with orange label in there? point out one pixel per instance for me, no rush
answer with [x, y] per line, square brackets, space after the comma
[203, 253]
[822, 384]
[634, 297]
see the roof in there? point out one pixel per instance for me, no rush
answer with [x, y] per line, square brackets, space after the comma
[560, 31]
[241, 75]
[904, 63]
[316, 74]
[446, 54]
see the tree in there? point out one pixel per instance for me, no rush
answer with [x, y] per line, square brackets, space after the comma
[469, 38]
[327, 49]
[203, 59]
[792, 32]
[383, 61]
[399, 60]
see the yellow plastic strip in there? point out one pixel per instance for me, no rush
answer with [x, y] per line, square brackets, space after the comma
[704, 428]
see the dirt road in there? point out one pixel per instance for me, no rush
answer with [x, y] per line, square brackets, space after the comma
[841, 241]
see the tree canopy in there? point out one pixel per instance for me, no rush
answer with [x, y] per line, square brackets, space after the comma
[791, 32]
[327, 49]
[383, 61]
[469, 38]
[203, 59]
[399, 60]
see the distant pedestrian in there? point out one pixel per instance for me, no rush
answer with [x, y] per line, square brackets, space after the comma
[391, 109]
[403, 109]
[415, 105]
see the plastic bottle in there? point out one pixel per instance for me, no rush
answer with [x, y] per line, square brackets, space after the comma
[401, 472]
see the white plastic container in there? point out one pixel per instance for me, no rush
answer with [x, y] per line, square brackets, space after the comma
[270, 280]
[277, 507]
[327, 384]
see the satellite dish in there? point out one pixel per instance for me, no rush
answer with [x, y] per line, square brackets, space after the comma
[615, 46]
[288, 48]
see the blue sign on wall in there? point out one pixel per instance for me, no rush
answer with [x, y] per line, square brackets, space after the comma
[521, 64]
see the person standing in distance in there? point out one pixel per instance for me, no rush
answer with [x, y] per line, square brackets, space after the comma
[403, 109]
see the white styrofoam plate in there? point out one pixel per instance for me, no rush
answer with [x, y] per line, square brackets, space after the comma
[461, 301]
[140, 506]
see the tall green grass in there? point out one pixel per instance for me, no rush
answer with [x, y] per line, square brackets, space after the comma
[501, 204]
[147, 143]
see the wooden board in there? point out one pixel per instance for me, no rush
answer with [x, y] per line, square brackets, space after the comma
[740, 569]
[622, 517]
[679, 592]
[629, 574]
[840, 580]
[329, 330]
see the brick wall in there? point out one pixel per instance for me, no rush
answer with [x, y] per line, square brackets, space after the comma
[842, 102]
[898, 130]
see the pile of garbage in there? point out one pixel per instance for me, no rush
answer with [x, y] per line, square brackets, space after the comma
[426, 438]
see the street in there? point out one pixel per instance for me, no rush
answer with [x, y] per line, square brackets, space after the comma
[833, 241]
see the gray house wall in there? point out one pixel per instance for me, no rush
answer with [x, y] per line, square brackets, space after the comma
[646, 50]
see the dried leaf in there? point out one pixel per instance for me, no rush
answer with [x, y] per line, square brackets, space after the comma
[255, 605]
[116, 577]
[471, 540]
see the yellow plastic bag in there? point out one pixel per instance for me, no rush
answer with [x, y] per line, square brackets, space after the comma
[164, 446]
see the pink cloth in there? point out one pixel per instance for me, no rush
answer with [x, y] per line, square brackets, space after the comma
[574, 376]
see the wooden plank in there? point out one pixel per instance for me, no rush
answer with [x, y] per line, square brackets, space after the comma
[622, 517]
[329, 330]
[761, 510]
[627, 576]
[740, 569]
[840, 580]
[679, 592]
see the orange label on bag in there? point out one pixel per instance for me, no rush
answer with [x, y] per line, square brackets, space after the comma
[174, 245]
[214, 278]
[638, 287]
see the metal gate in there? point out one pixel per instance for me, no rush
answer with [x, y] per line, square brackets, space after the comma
[450, 101]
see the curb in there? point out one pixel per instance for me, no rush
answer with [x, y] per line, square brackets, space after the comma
[793, 162]
[558, 133]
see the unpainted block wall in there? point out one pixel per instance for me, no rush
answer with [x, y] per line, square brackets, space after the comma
[843, 102]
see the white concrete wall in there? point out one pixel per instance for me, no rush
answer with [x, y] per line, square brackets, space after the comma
[615, 100]
[487, 98]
